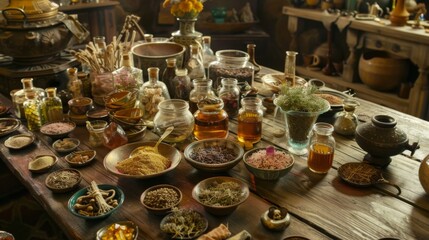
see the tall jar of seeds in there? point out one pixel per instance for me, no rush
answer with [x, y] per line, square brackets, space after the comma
[32, 109]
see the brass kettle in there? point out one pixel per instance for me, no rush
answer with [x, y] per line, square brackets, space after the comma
[34, 10]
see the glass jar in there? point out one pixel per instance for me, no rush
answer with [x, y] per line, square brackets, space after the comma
[174, 112]
[18, 96]
[321, 148]
[211, 121]
[231, 64]
[33, 111]
[249, 118]
[74, 85]
[230, 95]
[347, 121]
[169, 73]
[208, 54]
[96, 132]
[52, 107]
[290, 65]
[181, 85]
[195, 64]
[153, 93]
[202, 89]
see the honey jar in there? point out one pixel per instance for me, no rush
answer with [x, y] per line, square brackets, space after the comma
[211, 121]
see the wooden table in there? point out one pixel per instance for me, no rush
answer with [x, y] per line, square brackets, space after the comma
[98, 17]
[321, 206]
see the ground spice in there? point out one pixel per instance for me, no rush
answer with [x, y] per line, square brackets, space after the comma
[213, 155]
[56, 128]
[277, 160]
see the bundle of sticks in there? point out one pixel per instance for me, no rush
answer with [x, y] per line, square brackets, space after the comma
[102, 58]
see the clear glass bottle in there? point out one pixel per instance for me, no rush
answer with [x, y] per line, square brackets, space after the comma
[18, 97]
[174, 112]
[33, 110]
[347, 121]
[153, 92]
[195, 64]
[211, 121]
[250, 120]
[251, 48]
[230, 95]
[52, 107]
[127, 77]
[290, 65]
[321, 148]
[169, 73]
[208, 54]
[181, 85]
[202, 89]
[96, 132]
[74, 85]
[231, 64]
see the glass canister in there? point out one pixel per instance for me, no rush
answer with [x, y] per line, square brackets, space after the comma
[52, 107]
[211, 121]
[174, 112]
[33, 110]
[230, 95]
[202, 89]
[347, 121]
[321, 148]
[96, 132]
[153, 93]
[18, 96]
[181, 85]
[231, 64]
[250, 120]
[74, 85]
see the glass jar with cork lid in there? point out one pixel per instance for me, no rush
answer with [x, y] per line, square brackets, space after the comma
[211, 121]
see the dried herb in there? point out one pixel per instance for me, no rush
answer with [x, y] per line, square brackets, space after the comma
[184, 224]
[221, 194]
[300, 98]
[213, 154]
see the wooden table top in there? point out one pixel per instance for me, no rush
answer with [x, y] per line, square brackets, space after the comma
[321, 206]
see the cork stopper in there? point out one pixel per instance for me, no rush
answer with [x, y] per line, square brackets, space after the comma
[30, 94]
[194, 48]
[27, 83]
[51, 91]
[153, 73]
[72, 71]
[171, 62]
[181, 72]
[207, 39]
[126, 60]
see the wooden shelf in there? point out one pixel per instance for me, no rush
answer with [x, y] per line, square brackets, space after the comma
[362, 91]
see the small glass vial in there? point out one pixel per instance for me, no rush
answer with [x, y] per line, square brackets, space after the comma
[127, 77]
[208, 54]
[321, 148]
[52, 107]
[251, 51]
[347, 121]
[202, 89]
[74, 85]
[33, 110]
[211, 121]
[290, 65]
[169, 73]
[153, 92]
[195, 64]
[174, 112]
[250, 120]
[181, 84]
[230, 95]
[18, 96]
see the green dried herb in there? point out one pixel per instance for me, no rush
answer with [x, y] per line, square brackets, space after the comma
[184, 224]
[221, 194]
[300, 98]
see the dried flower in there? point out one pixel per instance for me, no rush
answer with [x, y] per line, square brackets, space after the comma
[184, 8]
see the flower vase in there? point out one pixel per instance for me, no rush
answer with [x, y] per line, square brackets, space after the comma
[186, 35]
[399, 15]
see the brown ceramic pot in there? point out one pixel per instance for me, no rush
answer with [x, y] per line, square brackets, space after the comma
[382, 139]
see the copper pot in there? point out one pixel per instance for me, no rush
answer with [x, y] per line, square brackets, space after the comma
[36, 33]
[382, 139]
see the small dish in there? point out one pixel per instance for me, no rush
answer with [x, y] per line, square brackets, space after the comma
[42, 163]
[78, 203]
[129, 230]
[80, 105]
[19, 141]
[80, 158]
[4, 110]
[136, 133]
[129, 115]
[6, 236]
[160, 199]
[97, 114]
[58, 129]
[65, 145]
[274, 81]
[189, 219]
[8, 125]
[63, 180]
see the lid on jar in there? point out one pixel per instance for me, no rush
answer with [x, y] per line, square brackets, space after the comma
[181, 72]
[210, 104]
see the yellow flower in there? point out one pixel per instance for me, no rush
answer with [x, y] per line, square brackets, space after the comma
[184, 8]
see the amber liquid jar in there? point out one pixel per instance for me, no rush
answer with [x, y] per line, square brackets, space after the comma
[250, 120]
[322, 146]
[211, 121]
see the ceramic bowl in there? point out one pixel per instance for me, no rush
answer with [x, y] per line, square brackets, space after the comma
[42, 163]
[8, 125]
[80, 158]
[117, 100]
[60, 129]
[204, 185]
[66, 145]
[154, 54]
[274, 81]
[189, 217]
[129, 229]
[129, 115]
[97, 114]
[218, 147]
[159, 196]
[265, 173]
[135, 133]
[63, 180]
[118, 154]
[119, 197]
[19, 141]
[80, 105]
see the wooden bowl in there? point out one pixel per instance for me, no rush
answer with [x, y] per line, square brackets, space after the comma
[80, 105]
[129, 115]
[66, 145]
[161, 202]
[80, 158]
[42, 163]
[63, 180]
[58, 129]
